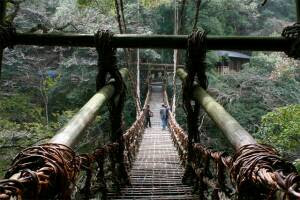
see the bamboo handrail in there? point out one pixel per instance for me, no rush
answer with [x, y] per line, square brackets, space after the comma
[232, 130]
[73, 130]
[156, 41]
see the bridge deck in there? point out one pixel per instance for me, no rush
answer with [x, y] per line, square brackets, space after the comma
[156, 173]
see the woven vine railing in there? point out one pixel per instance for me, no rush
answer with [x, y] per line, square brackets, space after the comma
[253, 172]
[51, 171]
[107, 156]
[132, 136]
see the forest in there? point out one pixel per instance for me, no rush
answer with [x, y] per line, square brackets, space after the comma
[41, 88]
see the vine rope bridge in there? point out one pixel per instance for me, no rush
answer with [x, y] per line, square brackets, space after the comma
[144, 164]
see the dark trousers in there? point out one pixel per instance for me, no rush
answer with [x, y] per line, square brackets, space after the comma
[148, 122]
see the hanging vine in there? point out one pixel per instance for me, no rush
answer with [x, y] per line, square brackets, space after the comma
[123, 29]
[118, 16]
[181, 16]
[198, 3]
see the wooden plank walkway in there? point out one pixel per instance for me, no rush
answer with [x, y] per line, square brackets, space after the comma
[156, 172]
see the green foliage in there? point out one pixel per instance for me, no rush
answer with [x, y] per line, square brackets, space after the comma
[297, 164]
[105, 6]
[281, 128]
[19, 108]
[153, 3]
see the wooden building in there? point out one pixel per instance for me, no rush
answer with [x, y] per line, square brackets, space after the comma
[231, 61]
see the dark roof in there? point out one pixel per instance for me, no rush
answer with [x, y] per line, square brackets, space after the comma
[232, 54]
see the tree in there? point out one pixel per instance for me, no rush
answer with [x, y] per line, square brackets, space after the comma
[281, 128]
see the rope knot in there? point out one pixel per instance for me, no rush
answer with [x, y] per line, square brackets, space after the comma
[107, 69]
[45, 171]
[259, 167]
[7, 35]
[196, 67]
[293, 33]
[196, 54]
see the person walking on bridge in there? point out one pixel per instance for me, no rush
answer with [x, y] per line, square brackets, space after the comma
[148, 114]
[163, 116]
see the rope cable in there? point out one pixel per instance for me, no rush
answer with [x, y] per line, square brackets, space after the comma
[196, 67]
[107, 68]
[198, 3]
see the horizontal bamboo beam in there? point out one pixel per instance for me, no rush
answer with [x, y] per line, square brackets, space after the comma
[156, 41]
[71, 133]
[232, 130]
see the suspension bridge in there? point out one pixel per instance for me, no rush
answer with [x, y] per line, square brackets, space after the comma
[149, 163]
[156, 173]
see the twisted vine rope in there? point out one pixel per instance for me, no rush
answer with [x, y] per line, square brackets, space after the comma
[50, 170]
[7, 35]
[261, 165]
[256, 171]
[196, 67]
[133, 134]
[293, 32]
[43, 172]
[107, 68]
[131, 142]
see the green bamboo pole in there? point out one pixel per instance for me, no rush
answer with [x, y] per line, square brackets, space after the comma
[71, 133]
[156, 41]
[2, 18]
[232, 130]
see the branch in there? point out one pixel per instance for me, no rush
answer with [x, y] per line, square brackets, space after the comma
[61, 28]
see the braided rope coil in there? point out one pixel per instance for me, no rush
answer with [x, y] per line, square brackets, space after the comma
[262, 165]
[44, 171]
